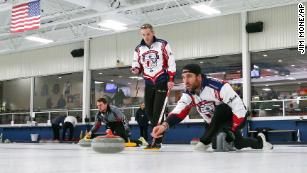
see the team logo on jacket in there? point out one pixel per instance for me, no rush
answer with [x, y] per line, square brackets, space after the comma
[150, 59]
[207, 108]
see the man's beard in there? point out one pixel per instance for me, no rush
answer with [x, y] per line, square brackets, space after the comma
[193, 89]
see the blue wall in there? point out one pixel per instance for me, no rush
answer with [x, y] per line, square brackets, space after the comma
[282, 125]
[182, 133]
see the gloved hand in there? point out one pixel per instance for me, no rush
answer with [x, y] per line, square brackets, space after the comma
[88, 135]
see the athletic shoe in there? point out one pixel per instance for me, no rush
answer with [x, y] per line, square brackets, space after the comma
[266, 145]
[228, 146]
[144, 142]
[153, 146]
[201, 147]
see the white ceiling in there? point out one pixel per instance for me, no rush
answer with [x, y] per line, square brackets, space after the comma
[67, 21]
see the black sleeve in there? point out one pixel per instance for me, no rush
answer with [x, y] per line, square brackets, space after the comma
[137, 115]
[172, 120]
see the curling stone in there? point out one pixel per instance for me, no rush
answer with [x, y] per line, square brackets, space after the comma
[108, 143]
[85, 142]
[7, 141]
[222, 145]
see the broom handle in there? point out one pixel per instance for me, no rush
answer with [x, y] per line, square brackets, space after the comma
[163, 108]
[162, 112]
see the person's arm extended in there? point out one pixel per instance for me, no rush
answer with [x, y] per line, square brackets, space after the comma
[181, 110]
[176, 116]
[233, 100]
[97, 124]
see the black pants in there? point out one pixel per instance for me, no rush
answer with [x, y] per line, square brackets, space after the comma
[118, 129]
[144, 132]
[154, 99]
[56, 131]
[222, 121]
[70, 126]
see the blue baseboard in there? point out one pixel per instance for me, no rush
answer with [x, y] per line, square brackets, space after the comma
[181, 134]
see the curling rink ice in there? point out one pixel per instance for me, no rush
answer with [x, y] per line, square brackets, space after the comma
[71, 158]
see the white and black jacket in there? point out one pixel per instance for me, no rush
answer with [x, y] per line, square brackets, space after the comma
[213, 93]
[156, 62]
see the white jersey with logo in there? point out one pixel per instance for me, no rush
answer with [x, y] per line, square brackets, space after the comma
[154, 60]
[213, 92]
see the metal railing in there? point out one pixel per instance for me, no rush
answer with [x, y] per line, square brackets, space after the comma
[264, 108]
[282, 108]
[45, 116]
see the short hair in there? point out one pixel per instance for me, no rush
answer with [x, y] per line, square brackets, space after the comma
[102, 100]
[147, 26]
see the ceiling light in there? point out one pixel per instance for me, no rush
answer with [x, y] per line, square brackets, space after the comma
[98, 82]
[293, 65]
[112, 80]
[205, 9]
[291, 78]
[100, 73]
[266, 85]
[201, 62]
[280, 60]
[38, 39]
[112, 24]
[60, 77]
[264, 55]
[266, 89]
[135, 77]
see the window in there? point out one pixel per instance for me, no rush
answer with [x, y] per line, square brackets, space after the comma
[58, 94]
[15, 101]
[281, 88]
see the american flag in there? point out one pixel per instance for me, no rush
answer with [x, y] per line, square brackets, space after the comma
[25, 16]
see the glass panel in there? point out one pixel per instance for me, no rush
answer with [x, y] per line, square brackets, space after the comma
[42, 117]
[23, 118]
[58, 92]
[295, 107]
[5, 119]
[15, 95]
[267, 108]
[281, 75]
[118, 86]
[123, 89]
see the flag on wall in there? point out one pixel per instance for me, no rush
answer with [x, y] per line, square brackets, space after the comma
[25, 16]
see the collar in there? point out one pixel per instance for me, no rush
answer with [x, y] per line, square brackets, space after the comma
[144, 44]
